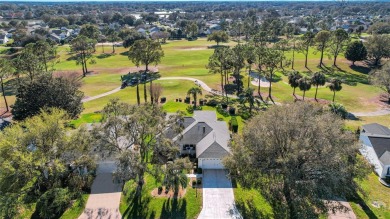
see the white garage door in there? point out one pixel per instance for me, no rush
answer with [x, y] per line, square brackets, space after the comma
[211, 163]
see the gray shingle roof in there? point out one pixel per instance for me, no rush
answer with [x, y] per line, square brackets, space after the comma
[213, 151]
[187, 121]
[376, 129]
[385, 158]
[216, 134]
[381, 146]
[195, 134]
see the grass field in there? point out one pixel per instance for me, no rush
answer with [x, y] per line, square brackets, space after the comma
[251, 203]
[189, 58]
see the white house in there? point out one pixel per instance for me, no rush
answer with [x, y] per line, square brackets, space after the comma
[375, 139]
[206, 138]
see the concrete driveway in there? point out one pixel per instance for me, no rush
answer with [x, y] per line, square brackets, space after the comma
[218, 197]
[103, 202]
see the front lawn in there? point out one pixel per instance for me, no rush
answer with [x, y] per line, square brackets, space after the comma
[76, 209]
[250, 203]
[376, 194]
[188, 206]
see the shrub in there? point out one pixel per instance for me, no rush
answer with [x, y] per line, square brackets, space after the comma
[212, 103]
[190, 109]
[221, 111]
[234, 124]
[193, 183]
[245, 115]
[199, 170]
[338, 109]
[164, 99]
[53, 203]
[160, 188]
[199, 181]
[232, 111]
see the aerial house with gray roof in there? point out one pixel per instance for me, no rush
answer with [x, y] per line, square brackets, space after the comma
[205, 138]
[375, 139]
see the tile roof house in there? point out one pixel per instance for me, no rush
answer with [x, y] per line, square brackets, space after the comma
[375, 139]
[204, 137]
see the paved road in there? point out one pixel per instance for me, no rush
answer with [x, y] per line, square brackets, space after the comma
[218, 196]
[103, 202]
[373, 113]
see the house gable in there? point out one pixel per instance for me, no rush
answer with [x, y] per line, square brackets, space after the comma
[196, 133]
[380, 145]
[213, 151]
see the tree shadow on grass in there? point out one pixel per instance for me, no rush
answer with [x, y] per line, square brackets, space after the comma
[247, 209]
[357, 199]
[174, 208]
[11, 87]
[105, 55]
[361, 69]
[126, 53]
[136, 208]
[347, 78]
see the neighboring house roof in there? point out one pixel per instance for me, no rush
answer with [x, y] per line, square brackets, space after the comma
[57, 31]
[381, 146]
[210, 135]
[376, 129]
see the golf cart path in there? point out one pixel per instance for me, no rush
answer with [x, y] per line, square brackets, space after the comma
[205, 87]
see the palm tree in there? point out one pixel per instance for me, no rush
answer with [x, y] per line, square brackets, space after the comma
[174, 175]
[220, 63]
[250, 58]
[335, 85]
[293, 80]
[247, 97]
[318, 79]
[194, 91]
[5, 71]
[304, 85]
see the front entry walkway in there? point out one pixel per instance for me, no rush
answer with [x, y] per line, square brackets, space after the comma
[103, 202]
[218, 196]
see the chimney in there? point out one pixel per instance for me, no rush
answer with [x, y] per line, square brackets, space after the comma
[204, 129]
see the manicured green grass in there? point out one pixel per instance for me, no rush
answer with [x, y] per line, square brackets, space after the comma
[86, 118]
[376, 192]
[251, 203]
[76, 209]
[188, 206]
[354, 124]
[189, 58]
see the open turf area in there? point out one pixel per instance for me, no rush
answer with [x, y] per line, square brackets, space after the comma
[189, 58]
